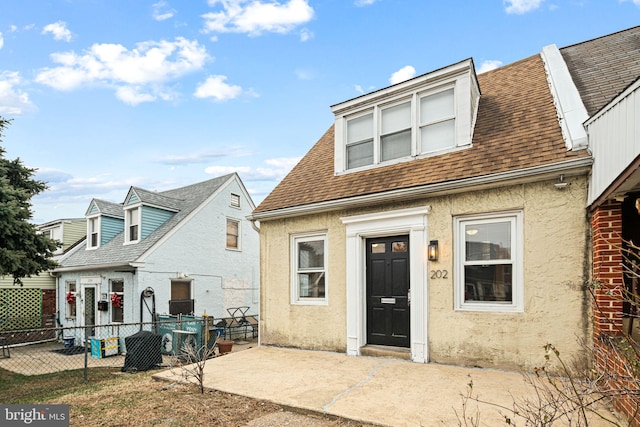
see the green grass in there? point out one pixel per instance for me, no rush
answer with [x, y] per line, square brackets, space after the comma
[17, 388]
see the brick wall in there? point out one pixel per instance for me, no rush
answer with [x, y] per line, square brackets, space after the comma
[607, 312]
[607, 269]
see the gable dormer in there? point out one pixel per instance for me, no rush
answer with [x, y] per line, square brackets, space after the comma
[144, 212]
[104, 222]
[424, 116]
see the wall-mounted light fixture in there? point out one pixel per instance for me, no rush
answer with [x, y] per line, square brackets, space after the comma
[432, 250]
[561, 183]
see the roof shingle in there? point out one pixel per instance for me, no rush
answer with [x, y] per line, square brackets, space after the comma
[516, 128]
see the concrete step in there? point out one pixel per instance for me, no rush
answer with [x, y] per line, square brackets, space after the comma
[386, 351]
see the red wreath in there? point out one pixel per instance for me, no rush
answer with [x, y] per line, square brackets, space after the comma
[71, 297]
[116, 300]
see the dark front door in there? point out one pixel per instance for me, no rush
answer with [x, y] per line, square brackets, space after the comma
[388, 291]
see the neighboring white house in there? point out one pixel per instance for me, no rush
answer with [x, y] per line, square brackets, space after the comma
[187, 251]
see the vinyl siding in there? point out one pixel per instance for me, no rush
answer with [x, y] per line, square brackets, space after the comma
[133, 199]
[72, 232]
[152, 218]
[110, 228]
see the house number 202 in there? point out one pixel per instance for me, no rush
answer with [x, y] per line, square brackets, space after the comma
[439, 274]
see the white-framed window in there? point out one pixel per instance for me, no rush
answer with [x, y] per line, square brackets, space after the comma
[234, 200]
[116, 296]
[70, 299]
[309, 257]
[93, 232]
[132, 225]
[488, 262]
[437, 121]
[233, 234]
[425, 116]
[422, 124]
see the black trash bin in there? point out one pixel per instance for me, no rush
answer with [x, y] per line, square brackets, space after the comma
[143, 351]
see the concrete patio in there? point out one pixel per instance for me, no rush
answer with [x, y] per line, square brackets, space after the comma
[375, 390]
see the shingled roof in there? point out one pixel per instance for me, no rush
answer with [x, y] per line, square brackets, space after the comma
[602, 68]
[116, 253]
[516, 128]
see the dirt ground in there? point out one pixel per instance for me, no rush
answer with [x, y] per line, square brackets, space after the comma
[139, 400]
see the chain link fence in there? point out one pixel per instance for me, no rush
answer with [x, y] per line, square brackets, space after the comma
[170, 341]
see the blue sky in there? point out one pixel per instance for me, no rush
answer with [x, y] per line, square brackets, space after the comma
[105, 94]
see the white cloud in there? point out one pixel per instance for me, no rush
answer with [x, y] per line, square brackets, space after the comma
[145, 68]
[133, 96]
[58, 30]
[305, 35]
[360, 3]
[488, 65]
[162, 11]
[520, 7]
[1, 41]
[278, 169]
[215, 87]
[203, 156]
[255, 16]
[13, 100]
[636, 2]
[404, 73]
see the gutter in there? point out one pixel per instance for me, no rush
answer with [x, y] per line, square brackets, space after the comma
[129, 266]
[532, 174]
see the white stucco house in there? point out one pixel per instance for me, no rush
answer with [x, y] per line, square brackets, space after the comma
[187, 251]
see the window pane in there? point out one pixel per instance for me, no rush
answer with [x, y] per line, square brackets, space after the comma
[436, 107]
[488, 283]
[378, 248]
[396, 145]
[360, 154]
[399, 247]
[311, 285]
[438, 136]
[360, 128]
[488, 241]
[133, 232]
[117, 286]
[396, 118]
[232, 234]
[311, 254]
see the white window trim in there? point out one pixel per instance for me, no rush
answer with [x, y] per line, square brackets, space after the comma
[239, 222]
[98, 226]
[109, 300]
[462, 129]
[295, 290]
[127, 223]
[517, 251]
[67, 307]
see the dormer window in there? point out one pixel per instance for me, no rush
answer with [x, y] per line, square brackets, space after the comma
[425, 116]
[132, 225]
[93, 232]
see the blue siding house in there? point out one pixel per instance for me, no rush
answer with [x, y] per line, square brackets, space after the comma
[192, 249]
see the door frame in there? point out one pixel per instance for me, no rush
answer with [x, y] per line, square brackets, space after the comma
[95, 284]
[411, 222]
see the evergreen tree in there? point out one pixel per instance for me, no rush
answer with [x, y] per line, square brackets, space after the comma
[23, 252]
